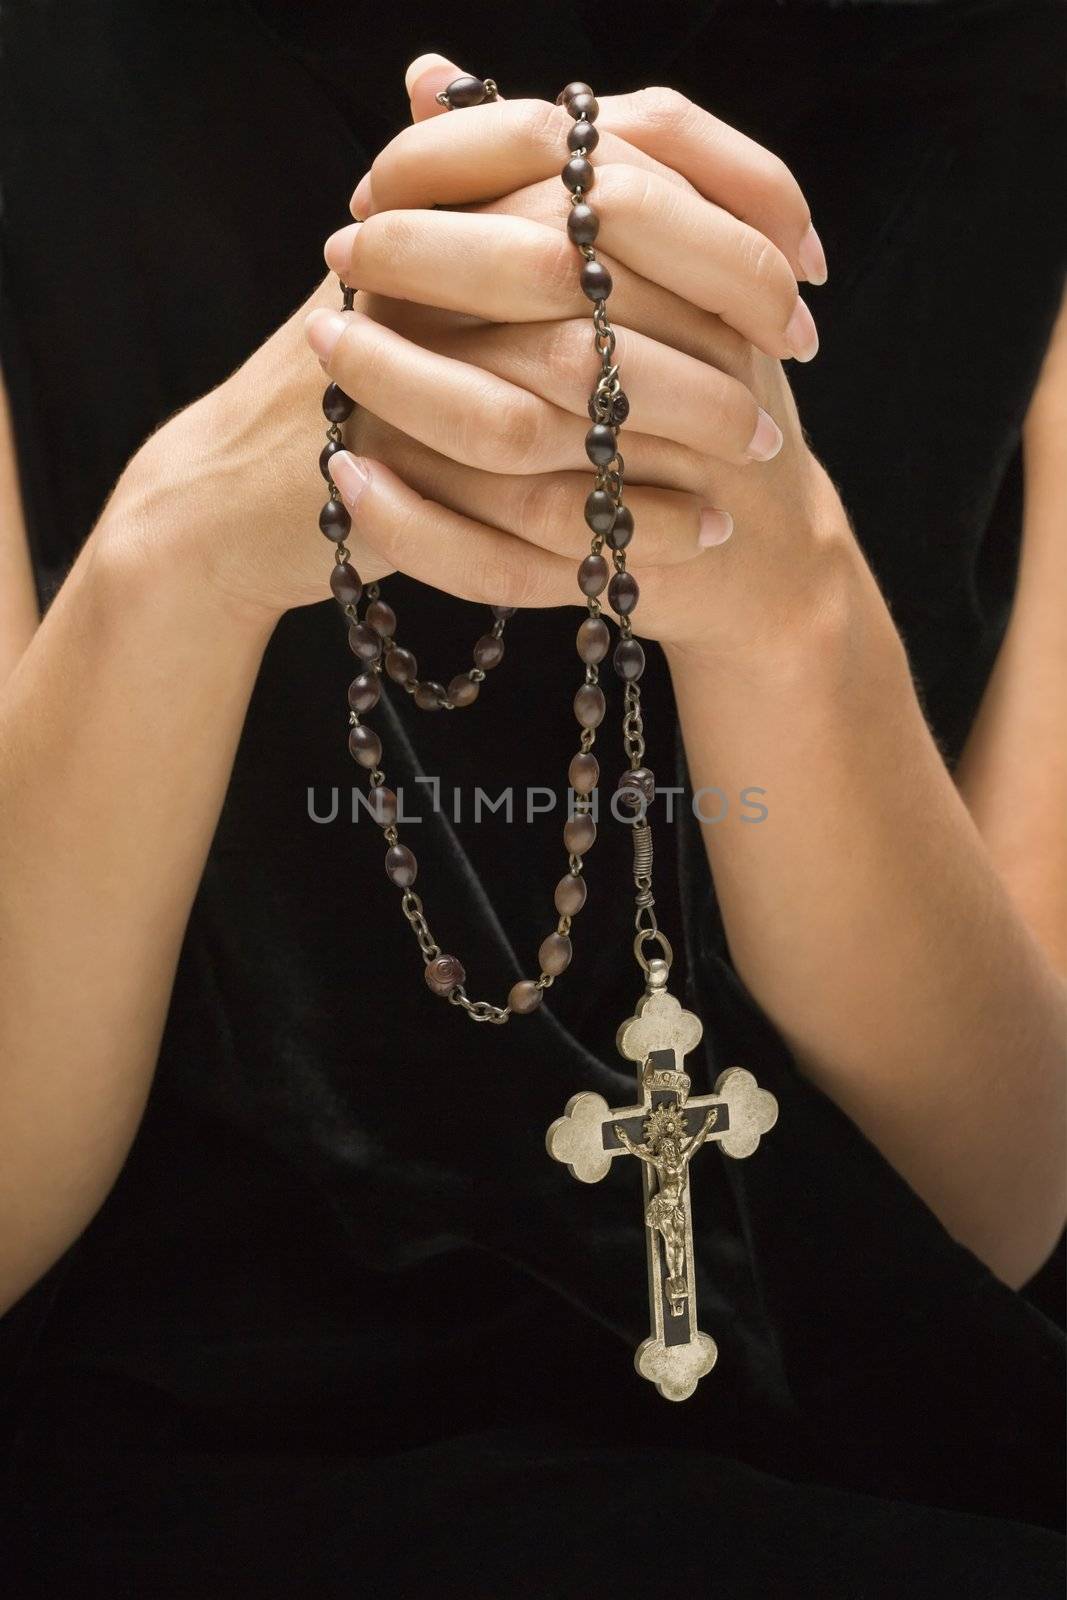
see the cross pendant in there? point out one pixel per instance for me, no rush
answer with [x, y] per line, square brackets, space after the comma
[664, 1132]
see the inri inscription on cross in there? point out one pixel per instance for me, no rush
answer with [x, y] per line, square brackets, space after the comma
[664, 1132]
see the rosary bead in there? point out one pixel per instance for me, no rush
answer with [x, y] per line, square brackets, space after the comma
[579, 174]
[401, 866]
[590, 706]
[570, 894]
[463, 691]
[525, 996]
[623, 530]
[594, 640]
[555, 954]
[601, 445]
[336, 405]
[629, 659]
[502, 613]
[346, 584]
[583, 136]
[567, 95]
[583, 224]
[443, 974]
[583, 774]
[593, 575]
[584, 107]
[600, 511]
[326, 454]
[595, 280]
[429, 695]
[335, 521]
[466, 91]
[381, 617]
[488, 652]
[637, 788]
[382, 804]
[365, 691]
[623, 593]
[579, 832]
[364, 642]
[365, 746]
[401, 665]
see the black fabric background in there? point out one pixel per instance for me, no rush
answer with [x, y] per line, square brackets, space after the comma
[341, 1328]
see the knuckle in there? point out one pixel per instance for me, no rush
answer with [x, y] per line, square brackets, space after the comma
[540, 124]
[547, 505]
[662, 107]
[506, 433]
[769, 271]
[554, 271]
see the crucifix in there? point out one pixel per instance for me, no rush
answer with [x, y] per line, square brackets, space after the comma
[665, 1131]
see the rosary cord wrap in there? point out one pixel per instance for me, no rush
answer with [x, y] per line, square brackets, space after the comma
[372, 635]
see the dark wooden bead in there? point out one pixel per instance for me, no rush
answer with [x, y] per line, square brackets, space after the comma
[583, 224]
[401, 866]
[401, 665]
[629, 659]
[593, 575]
[623, 529]
[328, 451]
[594, 640]
[365, 746]
[364, 642]
[595, 280]
[525, 996]
[429, 695]
[570, 894]
[365, 691]
[382, 804]
[488, 652]
[583, 136]
[381, 617]
[334, 520]
[443, 974]
[584, 107]
[623, 593]
[579, 174]
[601, 444]
[336, 405]
[463, 691]
[579, 833]
[583, 774]
[346, 584]
[600, 511]
[567, 95]
[590, 706]
[502, 613]
[555, 954]
[466, 91]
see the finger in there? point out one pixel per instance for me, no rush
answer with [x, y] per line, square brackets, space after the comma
[479, 154]
[451, 552]
[424, 81]
[724, 166]
[671, 395]
[547, 509]
[508, 269]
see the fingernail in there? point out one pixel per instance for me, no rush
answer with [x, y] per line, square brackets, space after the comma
[338, 248]
[812, 257]
[715, 527]
[766, 441]
[800, 333]
[350, 475]
[322, 329]
[361, 203]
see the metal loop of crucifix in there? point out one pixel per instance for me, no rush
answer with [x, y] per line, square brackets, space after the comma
[664, 1132]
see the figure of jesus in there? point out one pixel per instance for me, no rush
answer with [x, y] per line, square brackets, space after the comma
[668, 1150]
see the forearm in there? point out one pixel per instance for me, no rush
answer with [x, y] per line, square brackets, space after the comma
[866, 918]
[117, 734]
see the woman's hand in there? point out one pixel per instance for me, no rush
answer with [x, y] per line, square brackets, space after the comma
[491, 407]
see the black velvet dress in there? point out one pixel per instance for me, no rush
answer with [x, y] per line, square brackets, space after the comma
[342, 1328]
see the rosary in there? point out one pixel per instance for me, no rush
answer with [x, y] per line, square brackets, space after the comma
[667, 1125]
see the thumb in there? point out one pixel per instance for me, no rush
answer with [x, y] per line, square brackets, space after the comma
[424, 80]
